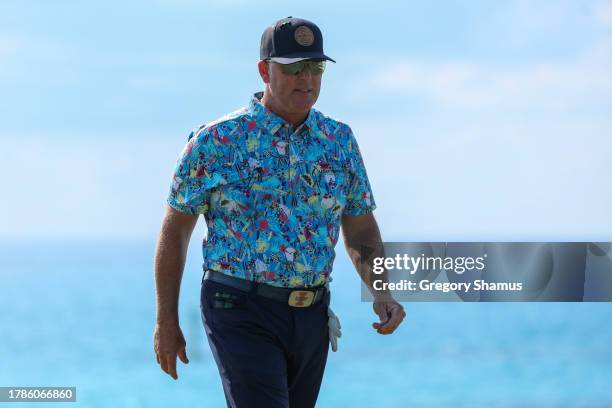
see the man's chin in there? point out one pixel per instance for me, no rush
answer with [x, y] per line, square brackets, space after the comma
[303, 106]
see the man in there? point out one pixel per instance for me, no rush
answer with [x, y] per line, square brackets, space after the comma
[275, 181]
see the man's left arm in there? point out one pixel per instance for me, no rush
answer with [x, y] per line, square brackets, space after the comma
[362, 230]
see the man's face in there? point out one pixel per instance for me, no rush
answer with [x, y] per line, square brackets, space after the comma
[290, 94]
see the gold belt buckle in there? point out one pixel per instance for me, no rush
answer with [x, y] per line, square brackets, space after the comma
[301, 298]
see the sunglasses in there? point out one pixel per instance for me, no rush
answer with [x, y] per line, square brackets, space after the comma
[315, 67]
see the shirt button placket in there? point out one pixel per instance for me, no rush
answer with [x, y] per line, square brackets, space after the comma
[288, 152]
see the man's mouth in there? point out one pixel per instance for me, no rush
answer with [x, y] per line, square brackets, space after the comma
[303, 90]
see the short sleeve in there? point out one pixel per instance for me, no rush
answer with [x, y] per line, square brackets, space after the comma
[360, 199]
[194, 175]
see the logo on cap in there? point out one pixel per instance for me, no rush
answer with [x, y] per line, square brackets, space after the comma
[304, 36]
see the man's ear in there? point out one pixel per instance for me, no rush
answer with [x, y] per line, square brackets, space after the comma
[264, 72]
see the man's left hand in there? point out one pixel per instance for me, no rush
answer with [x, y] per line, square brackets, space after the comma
[391, 315]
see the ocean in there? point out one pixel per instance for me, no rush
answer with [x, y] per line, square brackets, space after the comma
[82, 314]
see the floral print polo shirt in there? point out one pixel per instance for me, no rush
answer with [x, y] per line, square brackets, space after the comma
[272, 196]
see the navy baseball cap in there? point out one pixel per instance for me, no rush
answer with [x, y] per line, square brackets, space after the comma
[291, 40]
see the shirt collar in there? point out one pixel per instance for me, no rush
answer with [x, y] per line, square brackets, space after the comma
[271, 120]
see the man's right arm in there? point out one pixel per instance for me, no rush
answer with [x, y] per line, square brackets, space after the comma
[170, 256]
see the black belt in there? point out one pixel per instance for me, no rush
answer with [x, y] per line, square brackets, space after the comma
[302, 297]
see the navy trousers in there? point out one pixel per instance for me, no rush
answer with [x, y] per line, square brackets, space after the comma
[269, 354]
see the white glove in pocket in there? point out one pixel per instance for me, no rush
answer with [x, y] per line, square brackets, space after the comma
[334, 329]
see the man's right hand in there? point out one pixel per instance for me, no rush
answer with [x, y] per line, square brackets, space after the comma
[168, 343]
[170, 257]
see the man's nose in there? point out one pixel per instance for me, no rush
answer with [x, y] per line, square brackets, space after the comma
[305, 72]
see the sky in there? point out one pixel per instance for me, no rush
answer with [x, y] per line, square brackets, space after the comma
[477, 120]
